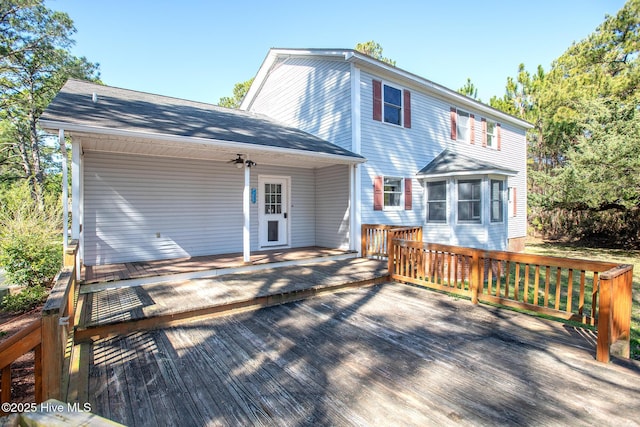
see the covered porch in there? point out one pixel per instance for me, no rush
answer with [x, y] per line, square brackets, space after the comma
[158, 178]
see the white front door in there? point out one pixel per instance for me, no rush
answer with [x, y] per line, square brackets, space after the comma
[274, 210]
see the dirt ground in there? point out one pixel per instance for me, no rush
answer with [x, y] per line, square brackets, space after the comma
[22, 370]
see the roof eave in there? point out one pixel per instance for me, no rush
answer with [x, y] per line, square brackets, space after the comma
[54, 126]
[505, 172]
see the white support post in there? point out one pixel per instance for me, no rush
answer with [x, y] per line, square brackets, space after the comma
[246, 230]
[65, 190]
[76, 158]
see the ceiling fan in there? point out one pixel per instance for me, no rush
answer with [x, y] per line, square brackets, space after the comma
[239, 162]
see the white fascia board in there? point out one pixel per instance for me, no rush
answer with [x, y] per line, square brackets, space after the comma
[243, 146]
[468, 173]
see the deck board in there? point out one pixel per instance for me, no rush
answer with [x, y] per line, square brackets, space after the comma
[383, 355]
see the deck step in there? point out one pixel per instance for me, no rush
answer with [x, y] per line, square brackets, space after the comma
[122, 310]
[93, 287]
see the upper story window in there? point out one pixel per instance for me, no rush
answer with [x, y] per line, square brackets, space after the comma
[392, 111]
[469, 200]
[391, 104]
[463, 127]
[492, 135]
[437, 201]
[497, 200]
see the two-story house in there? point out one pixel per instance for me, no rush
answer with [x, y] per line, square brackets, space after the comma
[434, 157]
[328, 140]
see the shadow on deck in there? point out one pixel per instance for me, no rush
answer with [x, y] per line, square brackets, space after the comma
[388, 354]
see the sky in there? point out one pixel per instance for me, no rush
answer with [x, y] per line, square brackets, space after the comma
[198, 50]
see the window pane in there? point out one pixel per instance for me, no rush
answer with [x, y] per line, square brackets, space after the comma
[464, 190]
[464, 211]
[475, 190]
[392, 184]
[392, 95]
[392, 199]
[392, 114]
[496, 201]
[437, 190]
[437, 211]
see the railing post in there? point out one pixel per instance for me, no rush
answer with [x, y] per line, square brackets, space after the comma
[52, 358]
[604, 319]
[475, 277]
[390, 253]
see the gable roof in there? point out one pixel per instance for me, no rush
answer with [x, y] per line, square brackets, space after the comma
[450, 163]
[131, 113]
[381, 69]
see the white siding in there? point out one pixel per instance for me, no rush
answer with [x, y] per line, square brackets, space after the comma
[144, 208]
[311, 95]
[301, 217]
[393, 150]
[397, 151]
[332, 207]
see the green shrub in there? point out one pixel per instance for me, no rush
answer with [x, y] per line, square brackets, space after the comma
[30, 241]
[25, 300]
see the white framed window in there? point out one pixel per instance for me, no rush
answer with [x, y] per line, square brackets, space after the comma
[497, 200]
[463, 126]
[392, 105]
[470, 200]
[437, 201]
[492, 135]
[392, 191]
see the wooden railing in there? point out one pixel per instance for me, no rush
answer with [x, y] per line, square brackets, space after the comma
[47, 336]
[16, 346]
[590, 292]
[376, 237]
[57, 322]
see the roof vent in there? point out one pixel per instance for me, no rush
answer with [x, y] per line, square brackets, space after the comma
[94, 97]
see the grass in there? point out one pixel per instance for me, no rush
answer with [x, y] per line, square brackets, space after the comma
[621, 256]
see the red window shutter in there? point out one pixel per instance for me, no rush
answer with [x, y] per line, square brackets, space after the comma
[454, 116]
[484, 132]
[515, 208]
[378, 194]
[498, 136]
[377, 100]
[472, 128]
[408, 194]
[407, 108]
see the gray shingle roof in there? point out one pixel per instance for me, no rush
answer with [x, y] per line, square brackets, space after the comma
[450, 163]
[151, 114]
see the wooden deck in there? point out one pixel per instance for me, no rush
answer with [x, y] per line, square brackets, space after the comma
[142, 269]
[389, 354]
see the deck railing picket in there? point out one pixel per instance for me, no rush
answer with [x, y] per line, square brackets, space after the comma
[489, 273]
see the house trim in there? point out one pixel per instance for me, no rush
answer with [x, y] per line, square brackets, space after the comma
[239, 146]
